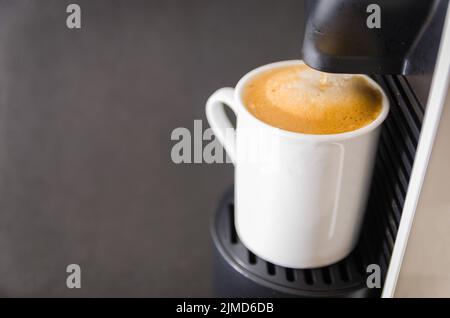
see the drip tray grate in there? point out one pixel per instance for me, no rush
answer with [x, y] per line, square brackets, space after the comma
[341, 279]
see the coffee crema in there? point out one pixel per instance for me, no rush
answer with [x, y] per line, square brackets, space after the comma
[300, 99]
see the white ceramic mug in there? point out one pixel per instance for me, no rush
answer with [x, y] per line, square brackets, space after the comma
[304, 208]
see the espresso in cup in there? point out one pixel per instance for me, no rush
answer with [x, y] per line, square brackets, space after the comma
[306, 211]
[300, 99]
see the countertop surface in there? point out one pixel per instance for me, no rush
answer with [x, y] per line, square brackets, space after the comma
[86, 116]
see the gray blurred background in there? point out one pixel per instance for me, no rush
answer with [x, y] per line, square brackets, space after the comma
[86, 117]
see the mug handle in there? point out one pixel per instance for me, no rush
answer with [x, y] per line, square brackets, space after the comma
[219, 121]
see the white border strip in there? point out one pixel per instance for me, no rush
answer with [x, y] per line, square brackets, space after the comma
[436, 100]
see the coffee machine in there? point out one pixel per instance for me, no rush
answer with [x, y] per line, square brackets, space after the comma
[405, 46]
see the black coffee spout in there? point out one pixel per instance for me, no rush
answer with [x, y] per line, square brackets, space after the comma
[365, 36]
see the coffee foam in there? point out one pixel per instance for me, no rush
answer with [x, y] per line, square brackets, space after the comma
[300, 99]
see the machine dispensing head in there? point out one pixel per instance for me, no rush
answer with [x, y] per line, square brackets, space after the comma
[366, 36]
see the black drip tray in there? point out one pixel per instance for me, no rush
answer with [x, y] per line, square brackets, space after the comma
[259, 278]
